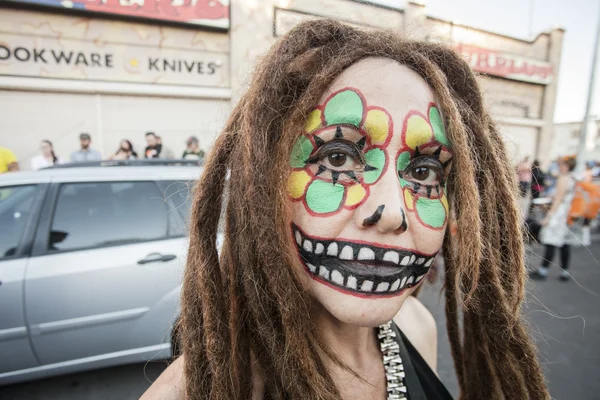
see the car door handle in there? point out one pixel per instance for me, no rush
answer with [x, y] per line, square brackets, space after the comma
[157, 257]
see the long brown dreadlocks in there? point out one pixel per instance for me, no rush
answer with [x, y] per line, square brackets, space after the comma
[248, 306]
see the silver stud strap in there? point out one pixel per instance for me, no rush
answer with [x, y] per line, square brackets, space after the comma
[394, 370]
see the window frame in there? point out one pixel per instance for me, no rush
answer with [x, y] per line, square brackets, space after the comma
[40, 243]
[26, 240]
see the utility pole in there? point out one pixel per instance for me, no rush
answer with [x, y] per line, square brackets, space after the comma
[588, 107]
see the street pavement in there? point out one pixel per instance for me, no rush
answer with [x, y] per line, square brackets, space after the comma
[564, 319]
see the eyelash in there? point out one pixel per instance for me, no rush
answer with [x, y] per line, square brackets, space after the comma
[339, 146]
[424, 189]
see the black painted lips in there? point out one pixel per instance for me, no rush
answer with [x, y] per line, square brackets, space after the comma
[361, 268]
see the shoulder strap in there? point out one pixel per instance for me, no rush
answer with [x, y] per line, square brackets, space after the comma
[429, 384]
[411, 378]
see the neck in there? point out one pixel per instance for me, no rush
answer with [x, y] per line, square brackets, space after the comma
[355, 345]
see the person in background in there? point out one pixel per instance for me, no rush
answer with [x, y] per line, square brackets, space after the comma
[588, 174]
[166, 153]
[154, 147]
[125, 152]
[596, 169]
[8, 161]
[524, 175]
[47, 158]
[537, 181]
[85, 153]
[193, 150]
[556, 233]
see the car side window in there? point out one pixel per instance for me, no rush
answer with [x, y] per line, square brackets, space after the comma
[181, 194]
[98, 214]
[16, 204]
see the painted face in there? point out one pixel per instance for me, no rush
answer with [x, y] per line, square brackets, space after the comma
[368, 191]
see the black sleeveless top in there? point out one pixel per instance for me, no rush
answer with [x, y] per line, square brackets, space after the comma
[421, 382]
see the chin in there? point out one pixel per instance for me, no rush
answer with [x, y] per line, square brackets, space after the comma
[361, 311]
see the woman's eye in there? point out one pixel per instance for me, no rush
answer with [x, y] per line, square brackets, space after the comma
[424, 175]
[337, 159]
[341, 162]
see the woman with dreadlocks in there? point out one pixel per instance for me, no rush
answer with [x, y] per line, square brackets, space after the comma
[346, 159]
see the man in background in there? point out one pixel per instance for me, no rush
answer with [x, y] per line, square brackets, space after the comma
[154, 147]
[193, 150]
[8, 161]
[85, 153]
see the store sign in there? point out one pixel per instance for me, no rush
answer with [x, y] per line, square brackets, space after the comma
[101, 61]
[506, 65]
[214, 13]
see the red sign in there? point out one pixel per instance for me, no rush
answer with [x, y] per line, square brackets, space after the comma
[506, 65]
[200, 12]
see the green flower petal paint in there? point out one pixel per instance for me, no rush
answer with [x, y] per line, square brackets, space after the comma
[324, 197]
[345, 107]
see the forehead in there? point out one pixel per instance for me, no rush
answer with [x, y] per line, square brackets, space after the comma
[386, 83]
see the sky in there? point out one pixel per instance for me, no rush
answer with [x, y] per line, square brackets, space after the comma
[579, 18]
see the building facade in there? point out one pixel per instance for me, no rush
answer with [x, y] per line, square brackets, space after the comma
[119, 68]
[567, 136]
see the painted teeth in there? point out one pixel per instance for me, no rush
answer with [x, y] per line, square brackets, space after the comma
[351, 284]
[314, 250]
[337, 277]
[347, 253]
[391, 256]
[366, 254]
[324, 272]
[319, 248]
[332, 250]
[382, 287]
[366, 286]
[307, 246]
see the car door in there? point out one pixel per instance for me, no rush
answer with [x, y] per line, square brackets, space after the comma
[110, 254]
[19, 206]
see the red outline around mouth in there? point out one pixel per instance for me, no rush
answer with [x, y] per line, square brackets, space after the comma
[364, 242]
[363, 295]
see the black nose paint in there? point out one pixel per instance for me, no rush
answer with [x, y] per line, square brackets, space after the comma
[373, 219]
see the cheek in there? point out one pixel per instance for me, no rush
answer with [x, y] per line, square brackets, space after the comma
[428, 219]
[329, 226]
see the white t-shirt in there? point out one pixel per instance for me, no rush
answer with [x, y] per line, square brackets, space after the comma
[39, 162]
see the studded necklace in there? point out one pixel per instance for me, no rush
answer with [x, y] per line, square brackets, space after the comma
[394, 369]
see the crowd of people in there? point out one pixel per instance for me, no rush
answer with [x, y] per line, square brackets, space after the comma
[47, 156]
[551, 218]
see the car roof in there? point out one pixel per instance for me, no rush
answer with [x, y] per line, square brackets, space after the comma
[109, 173]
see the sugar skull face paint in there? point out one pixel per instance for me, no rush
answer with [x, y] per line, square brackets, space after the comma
[341, 153]
[367, 191]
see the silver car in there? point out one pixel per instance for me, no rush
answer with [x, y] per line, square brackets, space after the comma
[91, 261]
